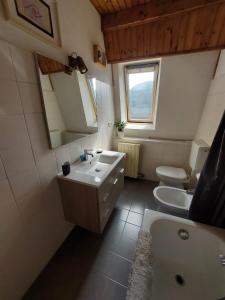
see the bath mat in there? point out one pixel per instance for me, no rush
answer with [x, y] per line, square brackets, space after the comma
[140, 280]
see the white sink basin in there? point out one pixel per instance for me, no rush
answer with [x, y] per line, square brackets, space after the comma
[97, 166]
[107, 159]
[95, 170]
[98, 169]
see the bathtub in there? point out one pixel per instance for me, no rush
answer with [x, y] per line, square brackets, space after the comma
[186, 258]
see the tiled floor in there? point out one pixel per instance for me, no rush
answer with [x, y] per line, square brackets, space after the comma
[92, 267]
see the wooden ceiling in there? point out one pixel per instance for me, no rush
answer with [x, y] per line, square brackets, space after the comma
[143, 29]
[111, 6]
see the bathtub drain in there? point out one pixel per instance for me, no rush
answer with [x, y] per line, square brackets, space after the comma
[183, 234]
[179, 279]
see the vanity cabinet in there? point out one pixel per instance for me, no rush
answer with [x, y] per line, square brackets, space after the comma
[89, 206]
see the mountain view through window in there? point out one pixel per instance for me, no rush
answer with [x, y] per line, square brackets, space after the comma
[141, 86]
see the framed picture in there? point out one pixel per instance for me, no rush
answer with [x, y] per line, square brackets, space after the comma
[99, 55]
[37, 17]
[36, 12]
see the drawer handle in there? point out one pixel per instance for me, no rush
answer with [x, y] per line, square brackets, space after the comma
[122, 170]
[115, 181]
[105, 197]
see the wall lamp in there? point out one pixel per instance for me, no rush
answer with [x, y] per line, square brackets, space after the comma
[76, 63]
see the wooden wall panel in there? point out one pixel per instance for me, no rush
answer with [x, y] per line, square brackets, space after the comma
[197, 30]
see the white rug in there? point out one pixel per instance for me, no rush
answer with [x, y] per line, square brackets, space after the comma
[140, 280]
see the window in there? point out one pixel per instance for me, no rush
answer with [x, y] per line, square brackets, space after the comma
[141, 83]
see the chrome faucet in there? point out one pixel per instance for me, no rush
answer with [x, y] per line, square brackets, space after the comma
[86, 153]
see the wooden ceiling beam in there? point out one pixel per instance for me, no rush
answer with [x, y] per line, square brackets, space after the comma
[201, 29]
[150, 12]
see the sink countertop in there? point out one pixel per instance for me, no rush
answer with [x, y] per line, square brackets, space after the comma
[88, 179]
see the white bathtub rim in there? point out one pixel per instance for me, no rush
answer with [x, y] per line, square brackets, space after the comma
[152, 217]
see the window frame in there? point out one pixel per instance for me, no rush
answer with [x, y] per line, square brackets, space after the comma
[155, 66]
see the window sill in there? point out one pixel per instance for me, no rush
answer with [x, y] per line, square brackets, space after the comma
[140, 126]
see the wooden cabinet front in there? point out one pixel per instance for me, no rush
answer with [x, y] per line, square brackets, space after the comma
[91, 207]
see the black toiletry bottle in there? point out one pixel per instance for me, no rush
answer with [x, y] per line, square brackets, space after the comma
[66, 168]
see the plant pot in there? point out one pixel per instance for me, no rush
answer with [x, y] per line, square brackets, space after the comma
[120, 134]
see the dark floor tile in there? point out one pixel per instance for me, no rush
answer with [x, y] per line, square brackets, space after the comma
[112, 234]
[98, 287]
[120, 214]
[138, 206]
[114, 266]
[126, 247]
[124, 202]
[135, 218]
[115, 291]
[131, 231]
[151, 203]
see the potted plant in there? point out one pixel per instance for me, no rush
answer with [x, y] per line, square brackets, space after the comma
[120, 125]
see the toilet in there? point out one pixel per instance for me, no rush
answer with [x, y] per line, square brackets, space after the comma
[177, 177]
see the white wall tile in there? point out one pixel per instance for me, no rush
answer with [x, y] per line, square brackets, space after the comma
[18, 157]
[10, 102]
[90, 142]
[30, 205]
[30, 96]
[38, 134]
[47, 168]
[75, 151]
[12, 130]
[7, 71]
[62, 155]
[18, 269]
[2, 171]
[31, 208]
[24, 66]
[9, 215]
[25, 184]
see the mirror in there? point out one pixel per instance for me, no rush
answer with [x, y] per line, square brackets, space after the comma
[69, 101]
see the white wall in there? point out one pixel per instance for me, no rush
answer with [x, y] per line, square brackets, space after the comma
[32, 221]
[183, 87]
[215, 104]
[77, 16]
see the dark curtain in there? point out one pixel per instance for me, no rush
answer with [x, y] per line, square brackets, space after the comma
[208, 204]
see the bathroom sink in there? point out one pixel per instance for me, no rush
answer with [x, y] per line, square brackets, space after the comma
[95, 170]
[97, 165]
[98, 169]
[107, 159]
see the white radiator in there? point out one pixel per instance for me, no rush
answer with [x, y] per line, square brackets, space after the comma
[132, 159]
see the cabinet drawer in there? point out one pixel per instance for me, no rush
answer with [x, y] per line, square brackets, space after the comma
[109, 184]
[106, 206]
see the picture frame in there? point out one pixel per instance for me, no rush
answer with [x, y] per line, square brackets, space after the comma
[99, 55]
[36, 17]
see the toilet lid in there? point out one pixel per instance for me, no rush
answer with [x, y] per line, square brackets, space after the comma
[172, 172]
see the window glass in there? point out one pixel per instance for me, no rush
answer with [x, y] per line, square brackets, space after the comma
[141, 85]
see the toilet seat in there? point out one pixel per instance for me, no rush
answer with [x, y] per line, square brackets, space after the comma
[172, 173]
